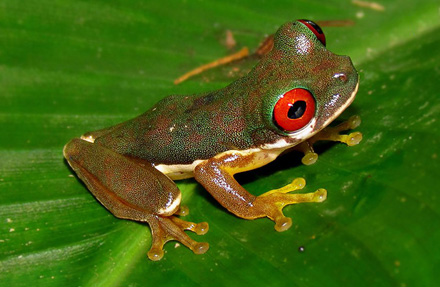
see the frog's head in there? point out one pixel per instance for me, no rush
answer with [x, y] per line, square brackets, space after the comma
[305, 86]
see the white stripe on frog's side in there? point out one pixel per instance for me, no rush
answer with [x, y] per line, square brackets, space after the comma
[262, 156]
[182, 171]
[178, 171]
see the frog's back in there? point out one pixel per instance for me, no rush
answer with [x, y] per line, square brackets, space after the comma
[182, 129]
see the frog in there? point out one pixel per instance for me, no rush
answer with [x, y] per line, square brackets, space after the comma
[286, 102]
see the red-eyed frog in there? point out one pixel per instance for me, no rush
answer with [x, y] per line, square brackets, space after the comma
[293, 93]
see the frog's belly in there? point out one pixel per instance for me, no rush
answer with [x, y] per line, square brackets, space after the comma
[178, 171]
[257, 157]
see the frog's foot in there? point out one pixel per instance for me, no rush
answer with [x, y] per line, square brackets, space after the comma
[331, 134]
[271, 203]
[164, 229]
[310, 156]
[182, 211]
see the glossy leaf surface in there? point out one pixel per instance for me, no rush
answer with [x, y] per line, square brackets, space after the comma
[67, 67]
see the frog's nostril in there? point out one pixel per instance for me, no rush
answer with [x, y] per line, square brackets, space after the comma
[341, 76]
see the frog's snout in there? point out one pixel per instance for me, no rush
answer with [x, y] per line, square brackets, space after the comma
[346, 75]
[341, 77]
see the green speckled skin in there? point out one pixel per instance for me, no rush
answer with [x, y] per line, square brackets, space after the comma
[181, 129]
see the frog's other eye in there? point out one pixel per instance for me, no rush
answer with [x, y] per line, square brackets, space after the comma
[315, 29]
[294, 109]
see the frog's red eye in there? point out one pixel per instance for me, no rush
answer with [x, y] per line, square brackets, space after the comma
[315, 29]
[294, 110]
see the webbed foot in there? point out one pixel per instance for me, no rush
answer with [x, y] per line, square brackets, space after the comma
[164, 229]
[271, 203]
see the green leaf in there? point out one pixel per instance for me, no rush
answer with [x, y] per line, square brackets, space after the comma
[67, 67]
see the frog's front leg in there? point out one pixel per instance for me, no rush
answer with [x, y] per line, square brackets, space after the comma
[134, 190]
[217, 176]
[330, 134]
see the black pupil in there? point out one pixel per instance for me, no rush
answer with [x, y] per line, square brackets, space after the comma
[296, 110]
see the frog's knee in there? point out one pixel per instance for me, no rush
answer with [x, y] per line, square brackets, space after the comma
[171, 206]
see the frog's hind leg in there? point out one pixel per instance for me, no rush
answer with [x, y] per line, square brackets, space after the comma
[134, 191]
[330, 134]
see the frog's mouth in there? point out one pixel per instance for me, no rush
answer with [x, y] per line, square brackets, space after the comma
[342, 108]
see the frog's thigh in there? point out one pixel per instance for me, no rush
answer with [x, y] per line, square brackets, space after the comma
[126, 188]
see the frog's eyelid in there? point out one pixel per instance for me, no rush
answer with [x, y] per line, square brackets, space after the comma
[315, 29]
